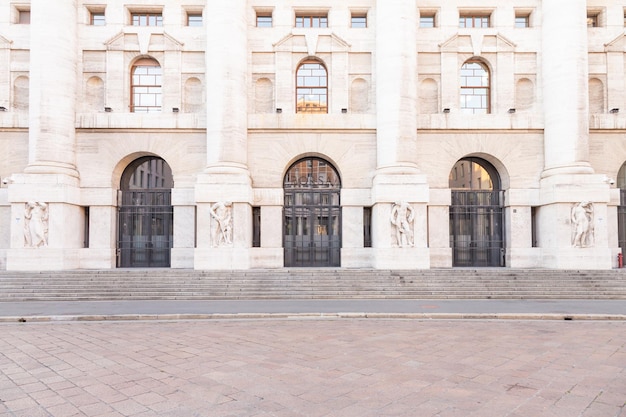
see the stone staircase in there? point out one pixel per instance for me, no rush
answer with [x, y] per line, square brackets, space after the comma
[305, 283]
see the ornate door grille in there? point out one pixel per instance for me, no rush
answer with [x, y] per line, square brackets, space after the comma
[145, 220]
[476, 228]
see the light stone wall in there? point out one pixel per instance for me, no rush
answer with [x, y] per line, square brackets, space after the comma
[394, 143]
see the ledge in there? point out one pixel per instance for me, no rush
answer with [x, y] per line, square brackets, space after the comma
[163, 120]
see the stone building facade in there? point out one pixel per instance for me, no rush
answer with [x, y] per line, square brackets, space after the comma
[268, 134]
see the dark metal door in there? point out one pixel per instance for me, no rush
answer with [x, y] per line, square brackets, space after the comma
[312, 215]
[476, 228]
[312, 236]
[145, 229]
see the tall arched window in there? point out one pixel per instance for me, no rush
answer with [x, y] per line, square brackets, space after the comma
[311, 88]
[146, 88]
[475, 88]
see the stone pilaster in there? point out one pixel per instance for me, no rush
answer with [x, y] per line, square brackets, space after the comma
[568, 179]
[397, 177]
[226, 178]
[47, 194]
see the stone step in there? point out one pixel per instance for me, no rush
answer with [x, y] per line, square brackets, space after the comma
[311, 283]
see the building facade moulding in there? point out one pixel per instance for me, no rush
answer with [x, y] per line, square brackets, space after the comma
[312, 43]
[616, 45]
[5, 43]
[143, 41]
[477, 43]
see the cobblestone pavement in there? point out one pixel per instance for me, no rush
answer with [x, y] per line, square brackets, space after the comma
[314, 367]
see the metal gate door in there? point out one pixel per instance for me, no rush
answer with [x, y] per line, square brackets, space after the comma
[312, 215]
[312, 236]
[145, 229]
[476, 228]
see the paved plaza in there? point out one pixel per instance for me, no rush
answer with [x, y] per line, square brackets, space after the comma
[314, 367]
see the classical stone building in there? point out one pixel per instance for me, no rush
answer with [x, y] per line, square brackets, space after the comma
[356, 133]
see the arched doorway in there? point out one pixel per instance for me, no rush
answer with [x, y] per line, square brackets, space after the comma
[312, 225]
[621, 209]
[145, 219]
[476, 214]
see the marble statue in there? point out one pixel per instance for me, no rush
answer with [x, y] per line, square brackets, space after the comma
[402, 216]
[582, 224]
[35, 225]
[221, 212]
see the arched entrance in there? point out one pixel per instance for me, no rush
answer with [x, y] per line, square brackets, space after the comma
[621, 209]
[145, 214]
[312, 226]
[476, 214]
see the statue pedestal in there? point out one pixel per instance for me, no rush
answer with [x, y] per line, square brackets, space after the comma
[402, 258]
[572, 222]
[577, 258]
[222, 258]
[47, 222]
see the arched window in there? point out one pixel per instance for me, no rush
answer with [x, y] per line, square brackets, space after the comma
[474, 88]
[146, 88]
[311, 88]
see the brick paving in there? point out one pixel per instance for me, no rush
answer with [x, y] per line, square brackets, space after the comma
[314, 367]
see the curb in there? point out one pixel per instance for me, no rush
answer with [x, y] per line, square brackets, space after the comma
[319, 316]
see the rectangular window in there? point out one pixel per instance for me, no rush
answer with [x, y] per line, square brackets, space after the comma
[318, 21]
[256, 227]
[358, 21]
[427, 21]
[522, 21]
[97, 19]
[592, 20]
[481, 21]
[86, 228]
[23, 17]
[194, 19]
[147, 19]
[367, 227]
[533, 226]
[264, 21]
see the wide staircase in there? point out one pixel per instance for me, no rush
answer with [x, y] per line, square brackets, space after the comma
[327, 283]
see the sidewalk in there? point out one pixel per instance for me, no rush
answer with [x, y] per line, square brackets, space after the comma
[186, 309]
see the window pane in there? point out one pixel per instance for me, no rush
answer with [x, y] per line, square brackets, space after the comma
[311, 21]
[24, 17]
[264, 21]
[592, 21]
[312, 95]
[474, 21]
[521, 21]
[474, 94]
[359, 22]
[97, 19]
[146, 88]
[147, 19]
[427, 21]
[194, 20]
